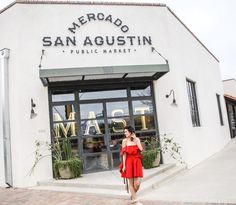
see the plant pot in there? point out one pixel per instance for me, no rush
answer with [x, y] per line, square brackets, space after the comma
[157, 160]
[65, 173]
[67, 169]
[149, 157]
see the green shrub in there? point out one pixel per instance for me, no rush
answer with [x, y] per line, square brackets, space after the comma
[61, 153]
[149, 157]
[74, 164]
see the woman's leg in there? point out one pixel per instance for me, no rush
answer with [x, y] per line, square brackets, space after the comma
[131, 188]
[137, 183]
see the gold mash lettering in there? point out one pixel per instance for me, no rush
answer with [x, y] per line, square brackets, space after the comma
[61, 127]
[118, 121]
[62, 130]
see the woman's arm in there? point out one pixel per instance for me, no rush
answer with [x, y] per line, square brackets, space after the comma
[124, 155]
[137, 141]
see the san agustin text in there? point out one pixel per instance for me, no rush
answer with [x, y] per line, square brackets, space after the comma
[99, 42]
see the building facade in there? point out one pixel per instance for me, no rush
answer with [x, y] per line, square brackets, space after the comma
[89, 69]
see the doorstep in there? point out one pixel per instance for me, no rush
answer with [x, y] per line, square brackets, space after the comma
[109, 183]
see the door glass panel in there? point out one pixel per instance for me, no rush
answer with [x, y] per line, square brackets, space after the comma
[63, 112]
[97, 162]
[59, 96]
[94, 144]
[145, 135]
[115, 142]
[141, 107]
[141, 92]
[74, 147]
[65, 129]
[144, 122]
[115, 159]
[102, 94]
[116, 125]
[91, 111]
[92, 127]
[116, 109]
[115, 146]
[145, 138]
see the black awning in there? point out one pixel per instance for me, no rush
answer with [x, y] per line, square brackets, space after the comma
[153, 72]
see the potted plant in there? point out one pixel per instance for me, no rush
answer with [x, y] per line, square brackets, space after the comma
[65, 165]
[154, 147]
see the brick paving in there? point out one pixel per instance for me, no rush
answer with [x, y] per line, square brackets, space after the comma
[19, 196]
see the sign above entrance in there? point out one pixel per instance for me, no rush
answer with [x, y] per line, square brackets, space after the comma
[94, 44]
[98, 17]
[102, 43]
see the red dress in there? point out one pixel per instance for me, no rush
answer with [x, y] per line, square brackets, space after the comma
[133, 163]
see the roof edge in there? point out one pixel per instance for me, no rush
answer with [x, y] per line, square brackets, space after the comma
[7, 7]
[193, 34]
[106, 3]
[81, 3]
[230, 97]
[229, 79]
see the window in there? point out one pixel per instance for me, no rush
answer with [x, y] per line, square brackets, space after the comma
[193, 103]
[93, 118]
[219, 109]
[62, 95]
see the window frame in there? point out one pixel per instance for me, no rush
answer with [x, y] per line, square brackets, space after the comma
[193, 102]
[219, 109]
[107, 136]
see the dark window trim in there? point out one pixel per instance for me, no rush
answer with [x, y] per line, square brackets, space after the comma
[219, 109]
[193, 103]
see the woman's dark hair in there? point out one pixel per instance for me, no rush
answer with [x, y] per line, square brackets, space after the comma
[129, 128]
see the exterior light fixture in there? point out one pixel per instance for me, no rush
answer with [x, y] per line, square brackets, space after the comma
[41, 58]
[174, 100]
[33, 114]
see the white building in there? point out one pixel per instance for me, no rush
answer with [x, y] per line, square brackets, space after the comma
[90, 69]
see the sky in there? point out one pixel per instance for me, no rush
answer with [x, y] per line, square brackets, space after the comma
[212, 21]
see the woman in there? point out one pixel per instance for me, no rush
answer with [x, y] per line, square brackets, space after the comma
[131, 166]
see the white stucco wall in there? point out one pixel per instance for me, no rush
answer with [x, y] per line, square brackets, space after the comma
[24, 85]
[230, 87]
[188, 59]
[25, 25]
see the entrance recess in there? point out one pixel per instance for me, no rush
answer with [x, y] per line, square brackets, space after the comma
[93, 118]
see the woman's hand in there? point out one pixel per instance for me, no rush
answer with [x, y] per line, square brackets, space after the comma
[123, 169]
[135, 139]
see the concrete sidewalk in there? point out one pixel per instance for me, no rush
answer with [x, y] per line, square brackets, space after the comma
[39, 197]
[212, 181]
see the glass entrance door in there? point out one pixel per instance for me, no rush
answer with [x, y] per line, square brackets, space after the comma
[93, 119]
[103, 115]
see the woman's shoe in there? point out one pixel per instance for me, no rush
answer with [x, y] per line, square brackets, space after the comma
[133, 201]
